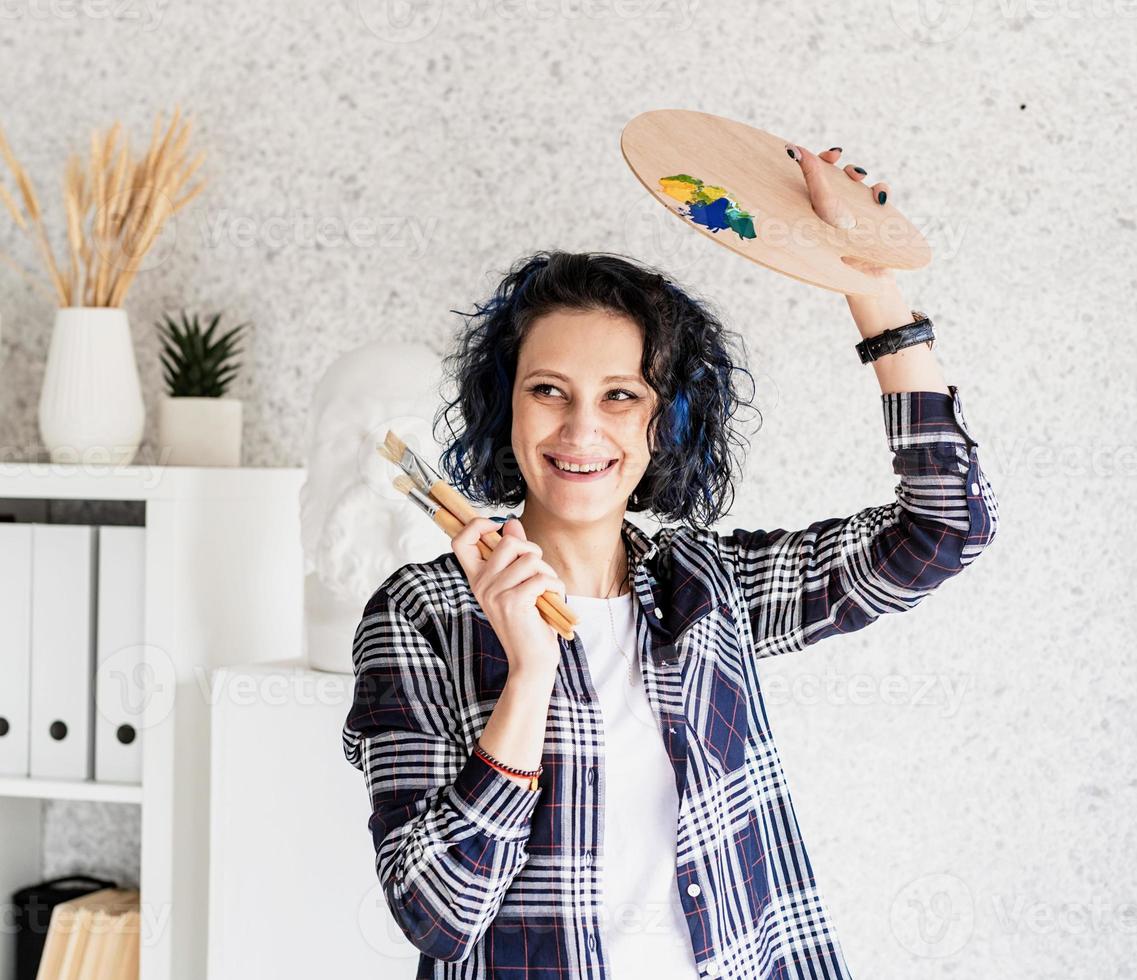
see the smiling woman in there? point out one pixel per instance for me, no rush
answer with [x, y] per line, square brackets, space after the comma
[615, 806]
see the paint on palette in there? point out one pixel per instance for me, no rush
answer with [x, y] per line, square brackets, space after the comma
[708, 205]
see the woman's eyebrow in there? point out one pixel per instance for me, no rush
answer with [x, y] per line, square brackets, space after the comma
[612, 377]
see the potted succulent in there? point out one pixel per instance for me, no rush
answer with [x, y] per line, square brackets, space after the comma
[116, 204]
[197, 425]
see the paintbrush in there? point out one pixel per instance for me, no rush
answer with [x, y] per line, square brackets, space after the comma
[451, 511]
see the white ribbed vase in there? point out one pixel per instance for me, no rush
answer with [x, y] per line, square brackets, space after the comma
[90, 406]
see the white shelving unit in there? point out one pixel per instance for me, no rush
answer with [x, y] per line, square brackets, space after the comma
[224, 585]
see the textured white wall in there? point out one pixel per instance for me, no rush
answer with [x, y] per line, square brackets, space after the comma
[967, 821]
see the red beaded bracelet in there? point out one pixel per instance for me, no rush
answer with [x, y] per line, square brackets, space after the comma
[532, 774]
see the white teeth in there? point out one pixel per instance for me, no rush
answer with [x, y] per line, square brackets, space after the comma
[574, 468]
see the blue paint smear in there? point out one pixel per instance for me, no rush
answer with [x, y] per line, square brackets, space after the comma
[713, 215]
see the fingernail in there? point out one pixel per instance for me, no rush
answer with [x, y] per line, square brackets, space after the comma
[793, 152]
[832, 148]
[860, 170]
[881, 197]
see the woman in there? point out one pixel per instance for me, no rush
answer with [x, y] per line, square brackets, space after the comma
[544, 808]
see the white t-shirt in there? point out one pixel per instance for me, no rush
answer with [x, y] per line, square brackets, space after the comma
[642, 920]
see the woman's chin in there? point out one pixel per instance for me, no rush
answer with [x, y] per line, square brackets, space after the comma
[576, 504]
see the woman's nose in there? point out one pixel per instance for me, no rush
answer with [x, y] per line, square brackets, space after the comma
[581, 424]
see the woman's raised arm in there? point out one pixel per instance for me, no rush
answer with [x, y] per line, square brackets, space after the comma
[840, 574]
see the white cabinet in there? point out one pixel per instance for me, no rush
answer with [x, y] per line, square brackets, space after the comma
[293, 890]
[224, 584]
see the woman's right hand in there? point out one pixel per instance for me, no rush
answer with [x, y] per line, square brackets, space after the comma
[506, 585]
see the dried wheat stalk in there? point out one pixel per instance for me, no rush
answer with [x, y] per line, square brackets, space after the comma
[115, 206]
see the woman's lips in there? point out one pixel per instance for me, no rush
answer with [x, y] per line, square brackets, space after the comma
[579, 477]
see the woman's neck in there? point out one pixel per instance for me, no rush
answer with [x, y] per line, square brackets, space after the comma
[589, 558]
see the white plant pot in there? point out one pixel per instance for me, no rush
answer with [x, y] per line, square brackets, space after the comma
[90, 405]
[199, 431]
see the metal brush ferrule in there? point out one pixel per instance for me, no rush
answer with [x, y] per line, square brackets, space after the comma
[427, 504]
[418, 469]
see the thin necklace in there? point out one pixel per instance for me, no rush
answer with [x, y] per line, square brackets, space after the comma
[612, 620]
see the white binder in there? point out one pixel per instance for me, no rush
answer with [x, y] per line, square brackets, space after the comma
[15, 646]
[120, 654]
[63, 607]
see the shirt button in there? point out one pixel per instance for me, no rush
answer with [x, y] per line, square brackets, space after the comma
[588, 857]
[591, 774]
[975, 488]
[712, 968]
[693, 890]
[658, 613]
[591, 942]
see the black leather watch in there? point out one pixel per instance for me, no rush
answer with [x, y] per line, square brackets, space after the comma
[896, 338]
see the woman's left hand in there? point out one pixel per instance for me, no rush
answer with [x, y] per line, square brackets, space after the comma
[829, 207]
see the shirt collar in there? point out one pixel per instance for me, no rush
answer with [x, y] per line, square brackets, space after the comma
[640, 545]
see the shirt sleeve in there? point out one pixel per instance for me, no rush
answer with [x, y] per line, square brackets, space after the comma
[450, 831]
[839, 574]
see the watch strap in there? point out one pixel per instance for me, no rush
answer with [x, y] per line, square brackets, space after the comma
[897, 338]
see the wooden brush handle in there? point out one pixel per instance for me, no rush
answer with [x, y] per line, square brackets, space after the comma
[461, 508]
[451, 525]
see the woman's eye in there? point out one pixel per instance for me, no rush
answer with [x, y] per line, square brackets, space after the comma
[537, 387]
[622, 391]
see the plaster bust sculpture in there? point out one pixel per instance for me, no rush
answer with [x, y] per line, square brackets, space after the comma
[356, 528]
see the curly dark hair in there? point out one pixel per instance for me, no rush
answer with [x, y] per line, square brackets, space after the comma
[686, 362]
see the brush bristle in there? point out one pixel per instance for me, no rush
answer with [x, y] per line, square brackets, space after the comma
[394, 446]
[403, 483]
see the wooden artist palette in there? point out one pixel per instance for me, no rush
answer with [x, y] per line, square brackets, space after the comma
[738, 186]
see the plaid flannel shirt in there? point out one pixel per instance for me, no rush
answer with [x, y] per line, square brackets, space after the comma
[491, 880]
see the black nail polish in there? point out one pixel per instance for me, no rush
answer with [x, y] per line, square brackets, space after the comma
[881, 197]
[790, 154]
[832, 148]
[860, 170]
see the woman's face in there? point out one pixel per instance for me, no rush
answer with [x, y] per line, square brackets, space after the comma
[579, 397]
